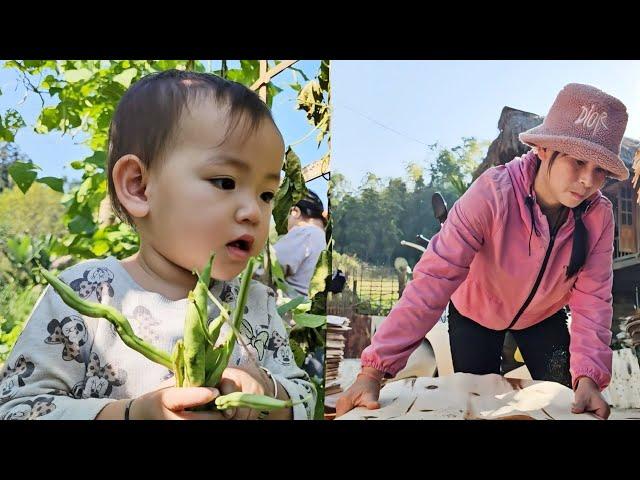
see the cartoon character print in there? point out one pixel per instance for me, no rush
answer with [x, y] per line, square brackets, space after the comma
[60, 393]
[308, 390]
[145, 325]
[96, 280]
[229, 292]
[71, 332]
[31, 409]
[99, 380]
[229, 295]
[256, 341]
[13, 378]
[281, 350]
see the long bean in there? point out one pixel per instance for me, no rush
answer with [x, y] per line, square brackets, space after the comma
[98, 310]
[213, 377]
[194, 346]
[257, 402]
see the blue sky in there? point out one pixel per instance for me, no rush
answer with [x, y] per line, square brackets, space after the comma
[385, 113]
[53, 152]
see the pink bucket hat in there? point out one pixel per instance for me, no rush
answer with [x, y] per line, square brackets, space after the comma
[585, 123]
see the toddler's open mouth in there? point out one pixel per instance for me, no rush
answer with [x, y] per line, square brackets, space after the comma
[240, 248]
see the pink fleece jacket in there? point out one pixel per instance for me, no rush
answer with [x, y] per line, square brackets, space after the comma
[480, 260]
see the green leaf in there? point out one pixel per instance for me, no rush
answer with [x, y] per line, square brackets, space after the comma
[282, 309]
[298, 353]
[292, 190]
[295, 69]
[282, 206]
[10, 125]
[54, 183]
[277, 273]
[99, 159]
[13, 120]
[309, 320]
[247, 74]
[79, 75]
[48, 82]
[320, 274]
[100, 247]
[309, 99]
[81, 224]
[272, 91]
[126, 77]
[104, 119]
[251, 68]
[48, 120]
[165, 64]
[20, 249]
[6, 135]
[84, 189]
[23, 174]
[33, 63]
[323, 75]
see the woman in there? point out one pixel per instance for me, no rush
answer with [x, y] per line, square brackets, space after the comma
[527, 239]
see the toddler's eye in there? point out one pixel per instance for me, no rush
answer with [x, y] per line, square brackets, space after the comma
[267, 196]
[223, 183]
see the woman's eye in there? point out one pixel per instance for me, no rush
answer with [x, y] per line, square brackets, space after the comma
[267, 196]
[580, 162]
[223, 183]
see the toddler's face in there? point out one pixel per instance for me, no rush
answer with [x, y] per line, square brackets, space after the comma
[208, 196]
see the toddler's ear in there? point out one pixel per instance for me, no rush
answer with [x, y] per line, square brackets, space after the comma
[130, 182]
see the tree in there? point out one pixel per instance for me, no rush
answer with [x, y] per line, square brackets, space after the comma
[9, 154]
[370, 222]
[454, 167]
[339, 187]
[38, 212]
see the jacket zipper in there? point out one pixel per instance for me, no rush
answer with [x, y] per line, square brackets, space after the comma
[544, 267]
[537, 284]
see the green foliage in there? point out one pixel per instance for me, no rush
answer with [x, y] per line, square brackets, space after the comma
[10, 123]
[15, 307]
[371, 221]
[291, 191]
[38, 212]
[454, 167]
[9, 154]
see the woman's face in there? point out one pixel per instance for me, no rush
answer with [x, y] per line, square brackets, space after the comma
[570, 180]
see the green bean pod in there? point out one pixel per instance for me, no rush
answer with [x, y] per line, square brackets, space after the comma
[211, 361]
[177, 359]
[257, 402]
[97, 310]
[214, 329]
[194, 346]
[200, 296]
[214, 376]
[238, 312]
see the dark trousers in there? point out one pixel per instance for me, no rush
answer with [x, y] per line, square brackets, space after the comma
[544, 347]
